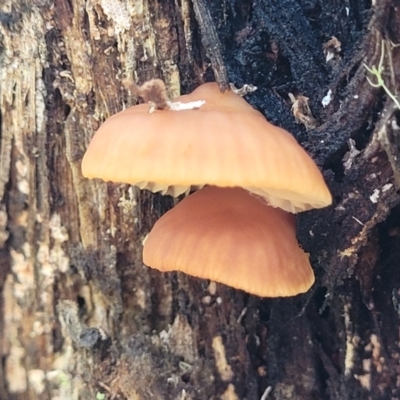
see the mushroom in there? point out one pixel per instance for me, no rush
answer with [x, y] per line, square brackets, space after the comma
[225, 143]
[228, 236]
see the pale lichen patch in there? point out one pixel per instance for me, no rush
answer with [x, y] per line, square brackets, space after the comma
[38, 328]
[352, 342]
[375, 360]
[221, 362]
[3, 227]
[59, 234]
[52, 259]
[180, 339]
[69, 319]
[15, 372]
[22, 267]
[100, 317]
[64, 387]
[212, 288]
[22, 169]
[116, 12]
[283, 390]
[365, 381]
[128, 201]
[140, 298]
[378, 361]
[230, 393]
[36, 379]
[93, 29]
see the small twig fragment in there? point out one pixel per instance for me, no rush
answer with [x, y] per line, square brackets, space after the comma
[332, 49]
[211, 42]
[154, 93]
[302, 112]
[244, 90]
[349, 157]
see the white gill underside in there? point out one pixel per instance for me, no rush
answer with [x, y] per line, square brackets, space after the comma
[274, 198]
[171, 190]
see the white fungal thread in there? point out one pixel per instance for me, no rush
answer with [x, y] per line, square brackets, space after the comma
[178, 106]
[193, 105]
[267, 392]
[387, 187]
[357, 220]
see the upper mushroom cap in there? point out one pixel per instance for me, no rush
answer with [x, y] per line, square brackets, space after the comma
[227, 235]
[225, 143]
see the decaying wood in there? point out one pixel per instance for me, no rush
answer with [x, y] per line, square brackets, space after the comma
[82, 318]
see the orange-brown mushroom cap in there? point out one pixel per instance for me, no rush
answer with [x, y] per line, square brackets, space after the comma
[224, 143]
[227, 235]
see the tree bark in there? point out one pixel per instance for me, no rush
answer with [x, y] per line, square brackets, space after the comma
[82, 317]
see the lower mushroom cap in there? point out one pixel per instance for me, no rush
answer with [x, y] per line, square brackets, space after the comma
[227, 235]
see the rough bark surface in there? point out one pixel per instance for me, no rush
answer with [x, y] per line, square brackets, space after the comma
[81, 317]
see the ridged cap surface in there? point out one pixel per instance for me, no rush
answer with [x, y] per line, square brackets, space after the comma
[229, 236]
[225, 143]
